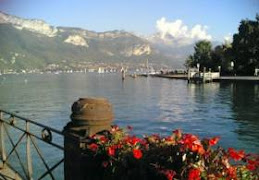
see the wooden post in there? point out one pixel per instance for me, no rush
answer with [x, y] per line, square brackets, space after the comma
[89, 116]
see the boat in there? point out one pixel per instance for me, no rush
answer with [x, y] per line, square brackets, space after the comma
[100, 70]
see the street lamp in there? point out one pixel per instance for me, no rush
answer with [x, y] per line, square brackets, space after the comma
[198, 67]
[219, 67]
[232, 66]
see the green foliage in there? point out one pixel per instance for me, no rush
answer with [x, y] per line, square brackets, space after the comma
[202, 55]
[244, 51]
[245, 47]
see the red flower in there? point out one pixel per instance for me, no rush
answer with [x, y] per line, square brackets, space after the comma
[137, 153]
[111, 150]
[198, 148]
[103, 139]
[193, 143]
[194, 174]
[93, 147]
[236, 155]
[213, 141]
[168, 173]
[252, 165]
[232, 172]
[132, 140]
[105, 164]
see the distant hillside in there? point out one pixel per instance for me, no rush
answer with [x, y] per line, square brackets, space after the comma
[35, 44]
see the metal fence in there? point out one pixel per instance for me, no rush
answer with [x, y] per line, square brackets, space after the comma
[31, 149]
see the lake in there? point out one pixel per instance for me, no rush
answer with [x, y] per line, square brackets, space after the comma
[150, 105]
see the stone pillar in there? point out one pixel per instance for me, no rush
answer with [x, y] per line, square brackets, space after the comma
[89, 116]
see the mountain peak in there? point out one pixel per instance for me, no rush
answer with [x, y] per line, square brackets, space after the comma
[34, 25]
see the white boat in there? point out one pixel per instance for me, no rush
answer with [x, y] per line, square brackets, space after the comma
[100, 70]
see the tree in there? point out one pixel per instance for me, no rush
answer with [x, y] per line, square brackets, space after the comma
[202, 55]
[245, 47]
[222, 56]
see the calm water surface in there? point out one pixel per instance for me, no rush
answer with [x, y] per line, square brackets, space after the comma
[150, 105]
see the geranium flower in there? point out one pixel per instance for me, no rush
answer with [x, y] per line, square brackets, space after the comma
[132, 140]
[193, 143]
[93, 147]
[236, 155]
[103, 139]
[111, 151]
[137, 153]
[194, 174]
[105, 164]
[232, 172]
[114, 150]
[252, 165]
[213, 141]
[168, 173]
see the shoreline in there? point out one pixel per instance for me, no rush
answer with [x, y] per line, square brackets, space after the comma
[222, 78]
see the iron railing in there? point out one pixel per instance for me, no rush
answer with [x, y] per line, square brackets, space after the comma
[22, 143]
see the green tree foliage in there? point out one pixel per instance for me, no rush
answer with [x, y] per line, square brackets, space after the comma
[245, 47]
[244, 51]
[222, 56]
[202, 55]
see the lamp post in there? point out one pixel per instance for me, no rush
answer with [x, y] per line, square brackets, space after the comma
[232, 66]
[198, 67]
[219, 67]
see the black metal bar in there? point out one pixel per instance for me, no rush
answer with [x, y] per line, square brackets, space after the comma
[2, 144]
[32, 122]
[20, 139]
[30, 139]
[53, 144]
[41, 157]
[51, 169]
[17, 154]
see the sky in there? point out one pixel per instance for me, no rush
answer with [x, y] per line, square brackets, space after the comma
[184, 20]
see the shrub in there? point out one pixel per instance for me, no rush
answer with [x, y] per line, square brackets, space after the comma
[116, 154]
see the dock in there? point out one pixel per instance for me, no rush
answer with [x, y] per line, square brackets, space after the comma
[236, 78]
[216, 79]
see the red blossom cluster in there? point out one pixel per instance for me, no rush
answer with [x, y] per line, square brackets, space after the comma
[178, 156]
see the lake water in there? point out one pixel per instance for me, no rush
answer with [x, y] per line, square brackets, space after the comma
[150, 105]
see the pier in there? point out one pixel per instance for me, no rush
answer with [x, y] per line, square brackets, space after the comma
[215, 79]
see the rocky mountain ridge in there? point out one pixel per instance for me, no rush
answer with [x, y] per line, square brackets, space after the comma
[43, 43]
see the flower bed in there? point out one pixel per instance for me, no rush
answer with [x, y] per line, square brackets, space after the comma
[115, 154]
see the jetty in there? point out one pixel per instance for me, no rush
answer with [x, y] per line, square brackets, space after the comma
[218, 79]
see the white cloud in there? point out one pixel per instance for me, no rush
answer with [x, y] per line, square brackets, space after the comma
[228, 38]
[177, 33]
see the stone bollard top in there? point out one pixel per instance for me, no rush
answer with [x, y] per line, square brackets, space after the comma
[91, 111]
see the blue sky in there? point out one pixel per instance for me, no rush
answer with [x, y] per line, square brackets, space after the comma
[220, 17]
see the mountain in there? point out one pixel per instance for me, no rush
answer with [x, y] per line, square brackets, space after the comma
[31, 43]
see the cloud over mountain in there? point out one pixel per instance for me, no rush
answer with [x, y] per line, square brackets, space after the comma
[177, 34]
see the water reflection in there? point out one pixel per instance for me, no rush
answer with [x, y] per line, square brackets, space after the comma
[245, 97]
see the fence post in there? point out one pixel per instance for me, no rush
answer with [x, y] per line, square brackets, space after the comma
[89, 116]
[2, 141]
